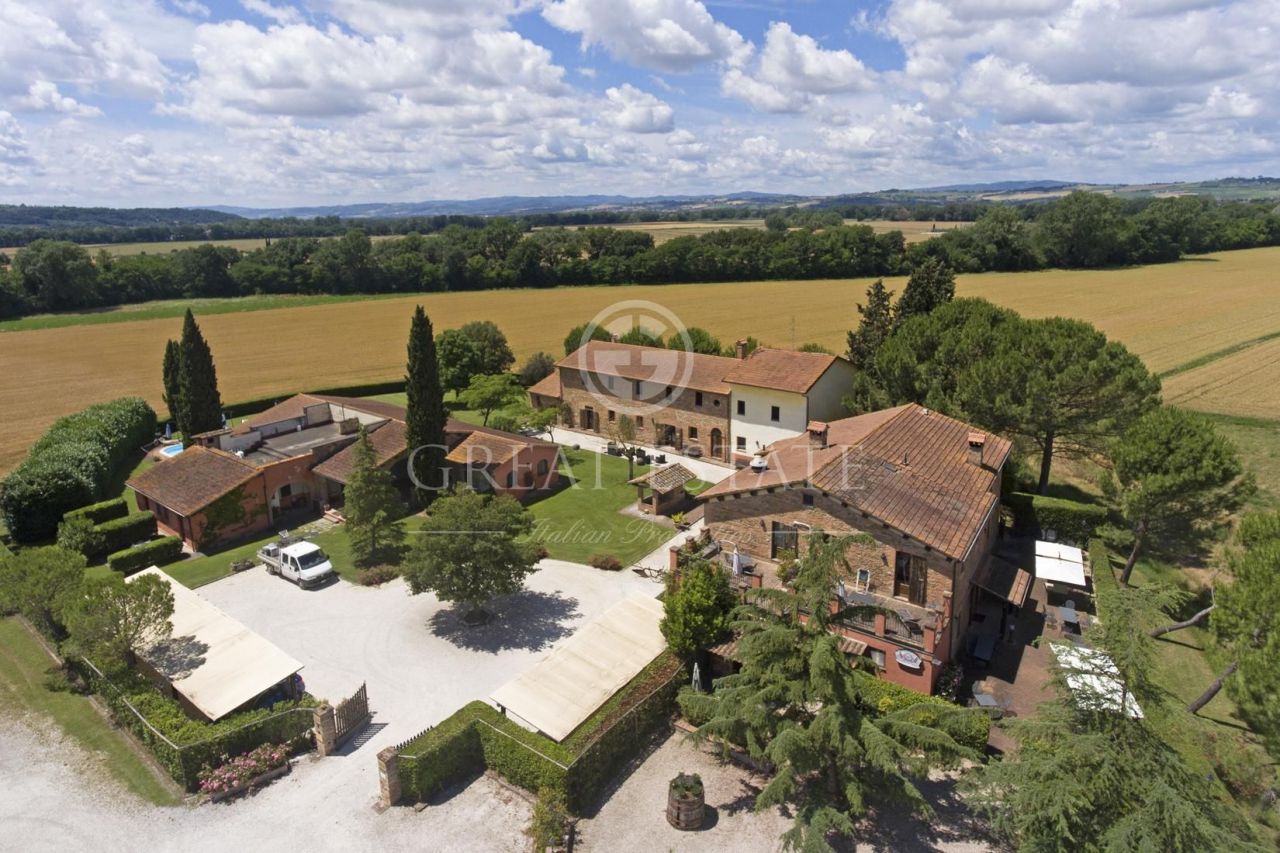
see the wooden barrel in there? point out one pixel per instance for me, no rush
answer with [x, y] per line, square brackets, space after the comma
[685, 813]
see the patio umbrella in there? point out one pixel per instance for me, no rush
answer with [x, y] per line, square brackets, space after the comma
[840, 591]
[697, 678]
[168, 431]
[737, 561]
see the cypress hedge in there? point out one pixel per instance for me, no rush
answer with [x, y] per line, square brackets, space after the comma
[72, 465]
[101, 511]
[121, 533]
[1071, 520]
[159, 552]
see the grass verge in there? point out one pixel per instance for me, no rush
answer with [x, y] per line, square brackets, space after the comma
[585, 516]
[23, 668]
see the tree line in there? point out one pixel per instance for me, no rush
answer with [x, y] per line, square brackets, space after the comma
[1082, 230]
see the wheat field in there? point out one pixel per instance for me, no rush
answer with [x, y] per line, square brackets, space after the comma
[1168, 314]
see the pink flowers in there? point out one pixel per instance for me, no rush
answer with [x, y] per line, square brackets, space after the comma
[237, 772]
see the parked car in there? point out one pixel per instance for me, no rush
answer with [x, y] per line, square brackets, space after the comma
[304, 563]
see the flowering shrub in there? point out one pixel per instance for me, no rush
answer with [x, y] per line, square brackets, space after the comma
[237, 771]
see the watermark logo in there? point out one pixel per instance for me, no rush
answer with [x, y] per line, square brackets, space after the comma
[638, 382]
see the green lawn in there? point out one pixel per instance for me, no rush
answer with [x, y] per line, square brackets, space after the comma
[176, 308]
[451, 404]
[1258, 441]
[207, 569]
[23, 667]
[584, 519]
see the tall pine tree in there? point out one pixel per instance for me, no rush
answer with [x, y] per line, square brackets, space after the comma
[932, 283]
[172, 378]
[426, 417]
[371, 506]
[199, 404]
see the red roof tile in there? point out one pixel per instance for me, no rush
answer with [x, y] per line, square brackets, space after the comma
[652, 364]
[193, 479]
[780, 369]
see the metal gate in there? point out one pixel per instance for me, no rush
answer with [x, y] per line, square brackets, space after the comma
[351, 715]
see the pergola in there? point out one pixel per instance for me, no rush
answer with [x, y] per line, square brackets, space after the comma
[665, 487]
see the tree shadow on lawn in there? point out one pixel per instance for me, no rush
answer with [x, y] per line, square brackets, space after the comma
[528, 620]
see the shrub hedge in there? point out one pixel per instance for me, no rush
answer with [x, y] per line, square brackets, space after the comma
[101, 511]
[121, 533]
[72, 465]
[477, 737]
[184, 746]
[1072, 520]
[158, 552]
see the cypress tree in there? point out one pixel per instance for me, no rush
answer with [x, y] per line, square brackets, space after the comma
[426, 417]
[172, 378]
[199, 404]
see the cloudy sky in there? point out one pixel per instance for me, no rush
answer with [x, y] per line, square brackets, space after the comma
[267, 102]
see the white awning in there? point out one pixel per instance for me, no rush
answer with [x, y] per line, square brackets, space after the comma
[1057, 563]
[1059, 551]
[560, 691]
[213, 660]
[1094, 680]
[1059, 571]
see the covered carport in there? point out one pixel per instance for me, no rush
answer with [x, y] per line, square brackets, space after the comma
[213, 663]
[559, 692]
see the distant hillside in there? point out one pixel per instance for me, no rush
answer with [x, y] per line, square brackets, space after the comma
[515, 205]
[72, 217]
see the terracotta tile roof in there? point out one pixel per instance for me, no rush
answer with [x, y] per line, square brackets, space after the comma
[780, 369]
[1005, 580]
[548, 386]
[486, 448]
[652, 364]
[285, 410]
[388, 442]
[377, 408]
[193, 479]
[908, 467]
[665, 479]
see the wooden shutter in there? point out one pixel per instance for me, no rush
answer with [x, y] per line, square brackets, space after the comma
[919, 579]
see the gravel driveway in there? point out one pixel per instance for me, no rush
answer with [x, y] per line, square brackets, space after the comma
[420, 664]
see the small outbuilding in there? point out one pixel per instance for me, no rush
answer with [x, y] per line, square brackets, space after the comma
[661, 490]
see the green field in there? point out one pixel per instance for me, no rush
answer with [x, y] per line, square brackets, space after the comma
[24, 667]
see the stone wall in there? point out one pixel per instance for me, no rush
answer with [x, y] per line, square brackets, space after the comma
[746, 520]
[682, 412]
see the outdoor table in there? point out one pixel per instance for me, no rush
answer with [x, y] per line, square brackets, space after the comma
[986, 700]
[984, 647]
[1069, 616]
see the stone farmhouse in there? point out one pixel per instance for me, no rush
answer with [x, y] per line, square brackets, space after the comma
[918, 495]
[293, 460]
[727, 409]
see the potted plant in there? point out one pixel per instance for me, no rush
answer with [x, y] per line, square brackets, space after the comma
[679, 520]
[686, 801]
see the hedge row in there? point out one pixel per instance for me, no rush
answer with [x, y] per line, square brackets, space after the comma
[158, 552]
[184, 746]
[122, 533]
[1070, 520]
[463, 745]
[478, 737]
[72, 465]
[102, 511]
[259, 404]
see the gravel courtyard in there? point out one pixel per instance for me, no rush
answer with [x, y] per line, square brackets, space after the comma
[420, 664]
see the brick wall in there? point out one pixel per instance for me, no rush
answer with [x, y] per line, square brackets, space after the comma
[682, 411]
[746, 520]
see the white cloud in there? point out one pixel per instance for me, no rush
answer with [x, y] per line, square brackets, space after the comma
[191, 7]
[639, 112]
[44, 96]
[793, 71]
[663, 35]
[279, 14]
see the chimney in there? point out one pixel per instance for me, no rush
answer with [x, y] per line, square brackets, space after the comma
[817, 434]
[741, 348]
[977, 442]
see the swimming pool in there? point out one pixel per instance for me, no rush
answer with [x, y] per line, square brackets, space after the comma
[171, 451]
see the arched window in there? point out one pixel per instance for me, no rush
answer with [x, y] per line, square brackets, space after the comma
[511, 479]
[543, 467]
